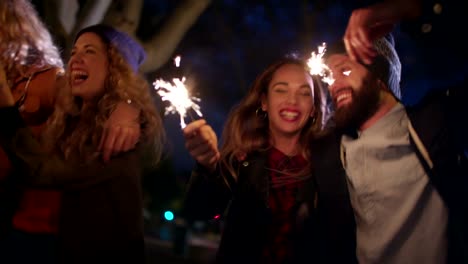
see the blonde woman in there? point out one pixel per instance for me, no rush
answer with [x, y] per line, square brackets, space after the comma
[33, 69]
[100, 217]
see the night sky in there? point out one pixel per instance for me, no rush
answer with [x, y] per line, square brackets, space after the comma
[233, 41]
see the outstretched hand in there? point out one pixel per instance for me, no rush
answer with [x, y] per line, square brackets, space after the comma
[121, 132]
[367, 24]
[202, 143]
[363, 29]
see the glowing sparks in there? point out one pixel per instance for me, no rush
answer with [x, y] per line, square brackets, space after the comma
[177, 61]
[177, 94]
[318, 67]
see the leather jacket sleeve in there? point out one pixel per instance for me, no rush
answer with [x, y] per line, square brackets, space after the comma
[207, 195]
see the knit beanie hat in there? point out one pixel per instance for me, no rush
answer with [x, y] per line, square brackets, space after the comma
[130, 49]
[386, 64]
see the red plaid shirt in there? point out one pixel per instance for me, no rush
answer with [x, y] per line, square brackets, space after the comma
[282, 201]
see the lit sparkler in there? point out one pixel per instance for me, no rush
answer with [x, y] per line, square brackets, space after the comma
[177, 94]
[177, 61]
[318, 67]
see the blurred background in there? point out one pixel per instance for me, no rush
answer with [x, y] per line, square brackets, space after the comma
[223, 45]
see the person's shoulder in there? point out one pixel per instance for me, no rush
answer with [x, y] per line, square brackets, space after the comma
[48, 70]
[44, 79]
[448, 96]
[440, 108]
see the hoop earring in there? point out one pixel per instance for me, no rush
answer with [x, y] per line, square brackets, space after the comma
[260, 113]
[314, 119]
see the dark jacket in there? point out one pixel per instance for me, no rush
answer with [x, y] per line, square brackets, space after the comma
[101, 213]
[438, 131]
[336, 217]
[248, 214]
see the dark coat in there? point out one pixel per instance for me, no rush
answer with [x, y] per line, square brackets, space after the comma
[247, 213]
[438, 131]
[336, 216]
[101, 212]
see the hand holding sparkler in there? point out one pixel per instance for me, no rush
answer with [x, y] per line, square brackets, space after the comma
[202, 143]
[178, 96]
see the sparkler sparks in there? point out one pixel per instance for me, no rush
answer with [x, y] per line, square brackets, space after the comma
[318, 67]
[177, 94]
[177, 61]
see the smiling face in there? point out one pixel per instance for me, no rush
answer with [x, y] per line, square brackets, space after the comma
[88, 66]
[289, 101]
[355, 92]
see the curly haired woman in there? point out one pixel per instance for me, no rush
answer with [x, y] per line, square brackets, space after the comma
[100, 217]
[34, 69]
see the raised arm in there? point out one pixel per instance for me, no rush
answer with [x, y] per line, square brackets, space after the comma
[374, 21]
[207, 193]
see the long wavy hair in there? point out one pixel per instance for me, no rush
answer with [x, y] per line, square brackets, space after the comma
[74, 131]
[25, 41]
[245, 132]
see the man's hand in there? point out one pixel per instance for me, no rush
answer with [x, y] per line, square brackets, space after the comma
[372, 22]
[202, 143]
[363, 29]
[121, 131]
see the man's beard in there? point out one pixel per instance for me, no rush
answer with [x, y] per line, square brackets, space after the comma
[363, 105]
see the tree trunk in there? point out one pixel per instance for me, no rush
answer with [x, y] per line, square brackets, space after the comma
[66, 18]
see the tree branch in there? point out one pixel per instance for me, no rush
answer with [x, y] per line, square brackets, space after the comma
[125, 15]
[162, 45]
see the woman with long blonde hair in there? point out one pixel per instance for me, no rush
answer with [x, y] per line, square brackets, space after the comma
[88, 119]
[33, 70]
[100, 217]
[26, 43]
